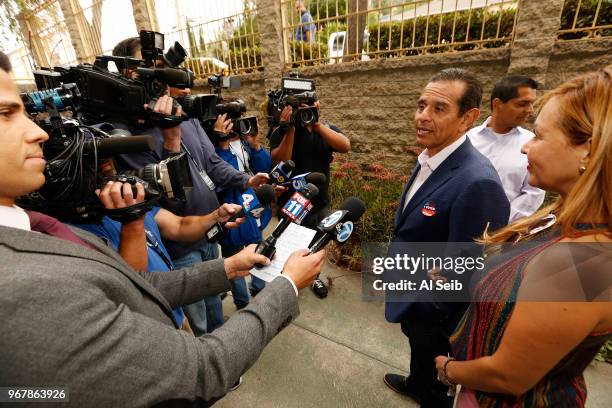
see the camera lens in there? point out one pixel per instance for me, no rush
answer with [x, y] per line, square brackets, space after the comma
[244, 127]
[175, 55]
[191, 105]
[306, 116]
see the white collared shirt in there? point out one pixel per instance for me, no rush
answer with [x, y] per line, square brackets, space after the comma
[429, 164]
[14, 217]
[504, 152]
[241, 155]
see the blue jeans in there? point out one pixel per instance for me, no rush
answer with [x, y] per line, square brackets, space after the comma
[256, 285]
[207, 314]
[240, 292]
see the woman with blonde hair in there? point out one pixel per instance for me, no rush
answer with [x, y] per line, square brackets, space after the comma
[542, 310]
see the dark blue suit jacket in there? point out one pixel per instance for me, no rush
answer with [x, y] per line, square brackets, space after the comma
[466, 193]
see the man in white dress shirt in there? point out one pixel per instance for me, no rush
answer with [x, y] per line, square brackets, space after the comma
[501, 137]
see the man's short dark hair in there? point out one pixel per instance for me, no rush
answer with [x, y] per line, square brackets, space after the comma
[5, 62]
[127, 47]
[472, 97]
[507, 87]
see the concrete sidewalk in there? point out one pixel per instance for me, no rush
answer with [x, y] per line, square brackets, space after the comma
[336, 353]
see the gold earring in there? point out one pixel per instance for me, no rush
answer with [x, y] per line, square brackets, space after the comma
[582, 169]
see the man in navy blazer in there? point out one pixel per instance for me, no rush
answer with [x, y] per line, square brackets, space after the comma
[453, 194]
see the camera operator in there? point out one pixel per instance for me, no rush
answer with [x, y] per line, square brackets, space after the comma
[244, 154]
[311, 148]
[75, 315]
[209, 173]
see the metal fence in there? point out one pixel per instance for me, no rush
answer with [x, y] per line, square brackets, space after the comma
[581, 19]
[218, 35]
[224, 35]
[44, 30]
[350, 30]
[67, 32]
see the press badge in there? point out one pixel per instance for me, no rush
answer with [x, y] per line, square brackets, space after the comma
[207, 180]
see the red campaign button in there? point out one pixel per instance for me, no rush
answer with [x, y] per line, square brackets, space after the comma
[429, 209]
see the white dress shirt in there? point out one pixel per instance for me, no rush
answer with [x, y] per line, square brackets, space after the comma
[429, 164]
[241, 155]
[504, 152]
[14, 217]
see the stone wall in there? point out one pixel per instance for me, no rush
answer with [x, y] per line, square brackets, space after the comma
[373, 102]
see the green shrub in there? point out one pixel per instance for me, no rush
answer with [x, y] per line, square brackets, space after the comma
[605, 354]
[246, 34]
[332, 27]
[397, 37]
[379, 188]
[244, 46]
[301, 51]
[588, 8]
[327, 8]
[245, 60]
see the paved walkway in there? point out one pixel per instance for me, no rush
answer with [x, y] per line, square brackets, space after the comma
[336, 353]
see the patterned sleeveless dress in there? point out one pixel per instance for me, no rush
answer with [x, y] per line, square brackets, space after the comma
[480, 331]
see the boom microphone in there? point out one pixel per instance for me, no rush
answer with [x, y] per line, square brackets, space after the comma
[253, 203]
[174, 77]
[111, 146]
[339, 224]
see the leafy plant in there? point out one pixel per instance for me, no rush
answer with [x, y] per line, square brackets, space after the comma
[246, 59]
[303, 52]
[380, 189]
[246, 34]
[9, 10]
[319, 9]
[333, 27]
[585, 17]
[437, 32]
[605, 354]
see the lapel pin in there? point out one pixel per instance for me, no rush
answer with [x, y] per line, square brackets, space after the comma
[429, 209]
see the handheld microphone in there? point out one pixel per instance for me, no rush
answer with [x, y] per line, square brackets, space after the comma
[299, 182]
[295, 210]
[281, 172]
[297, 207]
[339, 224]
[253, 203]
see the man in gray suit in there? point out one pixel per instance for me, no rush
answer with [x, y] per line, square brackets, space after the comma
[75, 315]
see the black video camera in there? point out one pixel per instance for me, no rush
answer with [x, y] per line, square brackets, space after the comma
[79, 159]
[295, 92]
[243, 125]
[111, 97]
[171, 176]
[206, 108]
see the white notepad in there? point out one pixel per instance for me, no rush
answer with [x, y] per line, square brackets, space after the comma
[293, 238]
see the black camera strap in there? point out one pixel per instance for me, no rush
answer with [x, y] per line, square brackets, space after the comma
[211, 185]
[133, 212]
[154, 245]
